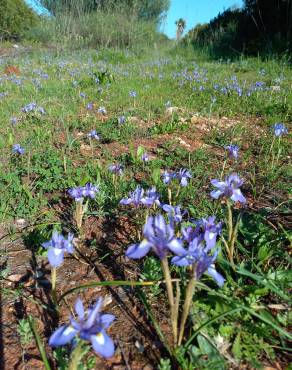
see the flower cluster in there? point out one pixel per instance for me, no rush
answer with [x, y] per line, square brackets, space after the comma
[87, 191]
[279, 129]
[230, 188]
[18, 149]
[141, 198]
[195, 247]
[232, 151]
[93, 135]
[183, 175]
[57, 247]
[33, 107]
[90, 326]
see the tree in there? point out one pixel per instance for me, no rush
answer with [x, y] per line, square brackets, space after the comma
[180, 27]
[149, 10]
[15, 18]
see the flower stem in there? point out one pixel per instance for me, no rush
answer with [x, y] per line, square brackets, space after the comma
[169, 196]
[169, 288]
[54, 283]
[223, 169]
[230, 221]
[186, 308]
[76, 357]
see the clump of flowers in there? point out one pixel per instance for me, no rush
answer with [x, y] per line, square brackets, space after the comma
[229, 188]
[18, 149]
[33, 108]
[93, 135]
[232, 150]
[90, 327]
[102, 110]
[78, 194]
[121, 120]
[57, 246]
[183, 176]
[193, 246]
[279, 129]
[139, 198]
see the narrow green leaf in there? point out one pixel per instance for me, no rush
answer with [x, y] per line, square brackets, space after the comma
[39, 343]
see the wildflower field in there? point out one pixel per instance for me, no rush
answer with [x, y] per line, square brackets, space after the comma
[145, 220]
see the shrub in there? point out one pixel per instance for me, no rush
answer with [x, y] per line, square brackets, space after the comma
[15, 18]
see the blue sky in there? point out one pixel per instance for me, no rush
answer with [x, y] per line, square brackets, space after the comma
[194, 12]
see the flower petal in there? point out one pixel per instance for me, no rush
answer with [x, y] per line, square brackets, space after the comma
[138, 250]
[175, 245]
[216, 193]
[62, 335]
[79, 309]
[102, 344]
[216, 276]
[106, 320]
[237, 196]
[55, 256]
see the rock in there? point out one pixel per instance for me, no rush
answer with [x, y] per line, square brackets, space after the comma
[171, 110]
[196, 120]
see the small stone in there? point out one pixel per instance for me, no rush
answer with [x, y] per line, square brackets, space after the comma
[196, 120]
[171, 110]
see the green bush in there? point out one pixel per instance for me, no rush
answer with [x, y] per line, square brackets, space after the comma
[15, 18]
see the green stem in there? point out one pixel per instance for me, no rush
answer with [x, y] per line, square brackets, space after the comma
[169, 196]
[54, 283]
[223, 169]
[230, 221]
[186, 308]
[76, 357]
[169, 288]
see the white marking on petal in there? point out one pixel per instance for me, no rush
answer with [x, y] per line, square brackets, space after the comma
[100, 338]
[211, 235]
[68, 330]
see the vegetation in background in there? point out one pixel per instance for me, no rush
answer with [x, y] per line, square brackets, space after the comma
[261, 26]
[15, 18]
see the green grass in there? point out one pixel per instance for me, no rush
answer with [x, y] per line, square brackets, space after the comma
[234, 325]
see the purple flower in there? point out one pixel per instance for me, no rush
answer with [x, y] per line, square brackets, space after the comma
[18, 149]
[57, 246]
[157, 235]
[133, 94]
[144, 157]
[151, 198]
[167, 177]
[90, 326]
[232, 150]
[29, 107]
[89, 190]
[81, 192]
[135, 198]
[89, 106]
[199, 257]
[279, 129]
[183, 175]
[76, 193]
[101, 110]
[207, 229]
[93, 135]
[116, 169]
[121, 120]
[13, 120]
[82, 95]
[174, 213]
[229, 188]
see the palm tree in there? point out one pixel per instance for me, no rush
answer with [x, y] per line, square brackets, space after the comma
[180, 27]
